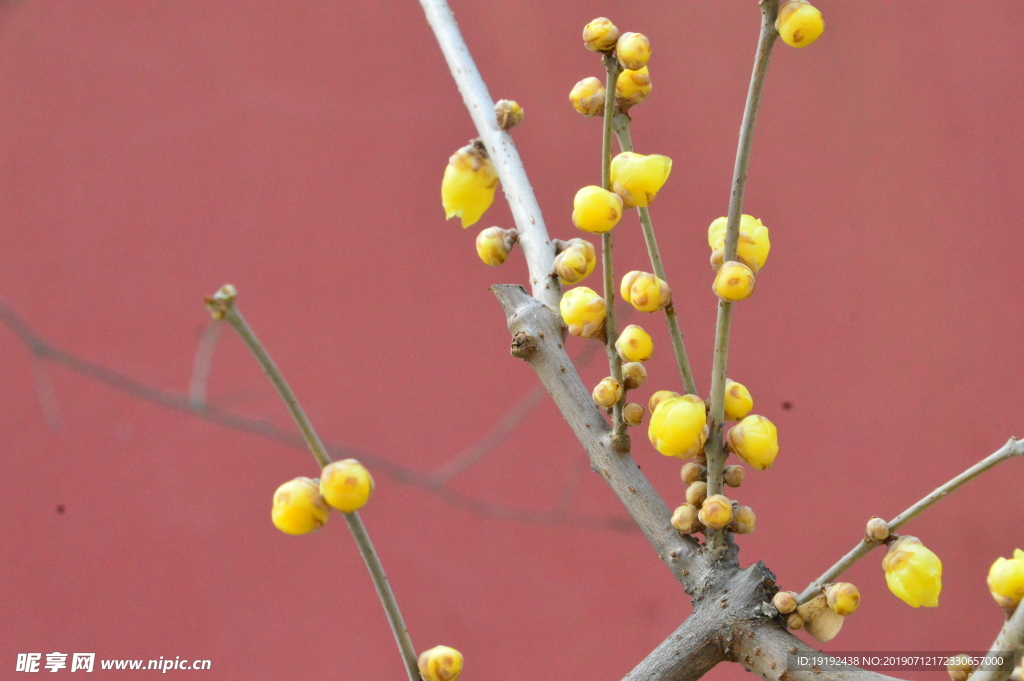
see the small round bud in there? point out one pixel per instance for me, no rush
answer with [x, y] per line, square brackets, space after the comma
[734, 282]
[587, 97]
[607, 392]
[633, 414]
[632, 87]
[752, 247]
[697, 493]
[637, 179]
[785, 602]
[959, 668]
[755, 440]
[679, 427]
[799, 23]
[634, 375]
[877, 529]
[692, 472]
[507, 113]
[467, 189]
[494, 244]
[440, 664]
[633, 50]
[583, 311]
[659, 397]
[600, 35]
[298, 507]
[644, 291]
[1006, 581]
[913, 573]
[734, 475]
[596, 210]
[346, 485]
[795, 622]
[715, 512]
[684, 519]
[575, 262]
[743, 520]
[738, 401]
[843, 598]
[634, 344]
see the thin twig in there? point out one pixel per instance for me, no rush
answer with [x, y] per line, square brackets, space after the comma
[1008, 643]
[612, 69]
[678, 346]
[1011, 449]
[224, 308]
[715, 454]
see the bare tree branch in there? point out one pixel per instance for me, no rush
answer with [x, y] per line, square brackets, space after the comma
[688, 654]
[1009, 640]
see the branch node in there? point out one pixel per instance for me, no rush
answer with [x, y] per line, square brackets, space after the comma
[523, 345]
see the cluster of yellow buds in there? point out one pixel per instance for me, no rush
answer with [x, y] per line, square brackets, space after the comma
[607, 392]
[583, 311]
[702, 512]
[632, 51]
[575, 261]
[755, 440]
[799, 23]
[821, 616]
[678, 425]
[913, 573]
[494, 244]
[587, 97]
[467, 189]
[1006, 581]
[440, 664]
[637, 179]
[299, 507]
[645, 292]
[596, 210]
[634, 344]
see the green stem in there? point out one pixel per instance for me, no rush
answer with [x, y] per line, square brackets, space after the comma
[714, 451]
[223, 307]
[612, 69]
[678, 346]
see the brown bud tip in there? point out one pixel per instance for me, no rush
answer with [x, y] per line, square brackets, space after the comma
[734, 475]
[633, 414]
[785, 602]
[684, 519]
[696, 493]
[634, 374]
[795, 622]
[877, 530]
[693, 472]
[507, 113]
[743, 521]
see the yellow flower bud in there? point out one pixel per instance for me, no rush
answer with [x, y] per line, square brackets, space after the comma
[633, 50]
[843, 598]
[755, 440]
[440, 664]
[583, 311]
[692, 472]
[715, 512]
[607, 392]
[959, 668]
[799, 23]
[637, 179]
[298, 507]
[596, 210]
[587, 97]
[753, 245]
[494, 244]
[684, 519]
[678, 427]
[467, 189]
[734, 282]
[697, 493]
[913, 573]
[877, 529]
[600, 35]
[734, 475]
[743, 520]
[634, 344]
[634, 375]
[785, 602]
[738, 401]
[507, 113]
[1006, 580]
[644, 291]
[575, 262]
[633, 414]
[659, 397]
[632, 87]
[346, 485]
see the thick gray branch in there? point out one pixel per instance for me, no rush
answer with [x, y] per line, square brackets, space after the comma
[533, 235]
[1009, 640]
[688, 654]
[538, 333]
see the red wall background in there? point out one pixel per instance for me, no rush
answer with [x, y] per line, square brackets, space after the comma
[150, 152]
